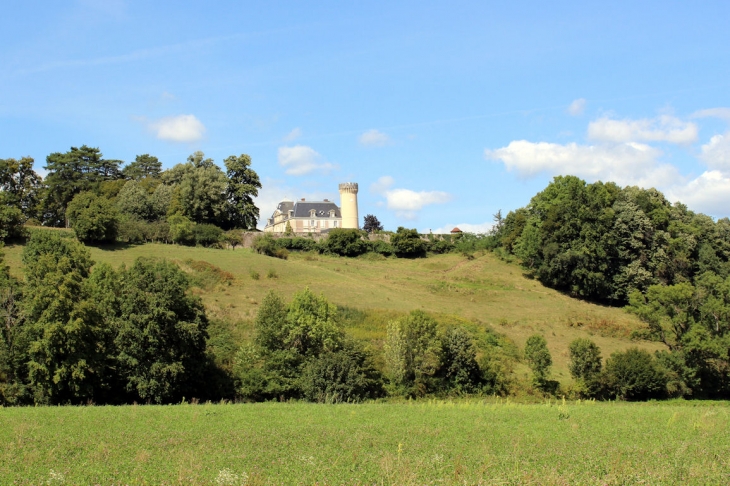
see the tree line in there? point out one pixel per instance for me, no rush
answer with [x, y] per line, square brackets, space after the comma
[104, 200]
[632, 247]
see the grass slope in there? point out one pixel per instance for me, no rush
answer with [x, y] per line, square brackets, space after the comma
[480, 292]
[406, 443]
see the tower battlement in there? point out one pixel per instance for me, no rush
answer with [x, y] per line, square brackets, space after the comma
[349, 187]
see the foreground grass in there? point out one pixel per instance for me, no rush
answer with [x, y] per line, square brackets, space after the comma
[408, 443]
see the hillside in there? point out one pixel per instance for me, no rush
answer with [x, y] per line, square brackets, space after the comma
[480, 292]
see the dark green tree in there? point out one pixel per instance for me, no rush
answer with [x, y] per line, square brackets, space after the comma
[371, 224]
[344, 242]
[20, 186]
[144, 166]
[243, 186]
[634, 375]
[538, 358]
[458, 368]
[585, 359]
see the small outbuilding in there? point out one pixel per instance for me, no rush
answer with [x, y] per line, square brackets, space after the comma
[456, 231]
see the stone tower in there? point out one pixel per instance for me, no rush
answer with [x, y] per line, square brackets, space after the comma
[348, 205]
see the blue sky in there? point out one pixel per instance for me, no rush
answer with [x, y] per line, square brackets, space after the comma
[443, 112]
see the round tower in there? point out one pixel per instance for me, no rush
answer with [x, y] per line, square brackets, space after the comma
[348, 205]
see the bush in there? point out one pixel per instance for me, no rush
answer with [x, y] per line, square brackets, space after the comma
[346, 375]
[407, 243]
[440, 246]
[635, 375]
[381, 247]
[298, 244]
[93, 218]
[265, 244]
[344, 242]
[207, 234]
[181, 230]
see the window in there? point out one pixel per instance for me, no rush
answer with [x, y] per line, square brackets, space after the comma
[311, 224]
[335, 224]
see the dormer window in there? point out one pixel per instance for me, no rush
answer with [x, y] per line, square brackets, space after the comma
[332, 213]
[312, 213]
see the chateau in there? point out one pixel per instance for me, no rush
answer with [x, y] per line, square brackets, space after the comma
[316, 216]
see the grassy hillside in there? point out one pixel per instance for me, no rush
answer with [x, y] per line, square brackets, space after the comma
[425, 442]
[480, 292]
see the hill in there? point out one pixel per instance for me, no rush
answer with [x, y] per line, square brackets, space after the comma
[481, 293]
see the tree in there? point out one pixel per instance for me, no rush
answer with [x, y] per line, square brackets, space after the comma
[78, 170]
[585, 359]
[144, 166]
[160, 332]
[634, 375]
[412, 353]
[199, 190]
[93, 218]
[135, 201]
[20, 186]
[371, 224]
[243, 186]
[407, 243]
[66, 335]
[459, 369]
[538, 358]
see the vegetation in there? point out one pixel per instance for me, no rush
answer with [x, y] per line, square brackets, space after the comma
[443, 442]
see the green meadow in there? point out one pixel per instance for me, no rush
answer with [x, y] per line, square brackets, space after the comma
[479, 293]
[425, 442]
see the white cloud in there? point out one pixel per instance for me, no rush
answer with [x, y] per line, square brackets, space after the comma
[465, 227]
[577, 107]
[709, 193]
[664, 128]
[180, 128]
[405, 202]
[723, 113]
[382, 184]
[293, 135]
[374, 138]
[716, 153]
[626, 163]
[301, 160]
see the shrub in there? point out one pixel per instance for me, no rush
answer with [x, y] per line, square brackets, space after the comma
[181, 230]
[207, 234]
[272, 274]
[381, 247]
[635, 375]
[265, 244]
[440, 246]
[407, 243]
[254, 274]
[344, 242]
[346, 375]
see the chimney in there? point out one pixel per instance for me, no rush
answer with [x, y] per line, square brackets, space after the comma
[326, 200]
[302, 199]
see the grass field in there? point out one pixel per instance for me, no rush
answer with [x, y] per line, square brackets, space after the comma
[480, 292]
[489, 442]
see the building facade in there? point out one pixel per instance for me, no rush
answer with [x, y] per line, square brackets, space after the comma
[316, 216]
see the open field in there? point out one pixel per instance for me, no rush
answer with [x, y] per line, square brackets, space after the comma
[471, 442]
[480, 292]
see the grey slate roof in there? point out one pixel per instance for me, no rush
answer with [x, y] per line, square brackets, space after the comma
[302, 208]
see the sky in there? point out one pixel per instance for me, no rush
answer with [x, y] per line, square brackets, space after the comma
[442, 112]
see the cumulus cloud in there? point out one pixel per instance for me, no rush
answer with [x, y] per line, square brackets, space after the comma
[382, 184]
[577, 107]
[465, 227]
[180, 128]
[374, 138]
[723, 113]
[665, 128]
[293, 135]
[626, 163]
[709, 193]
[301, 160]
[405, 202]
[716, 153]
